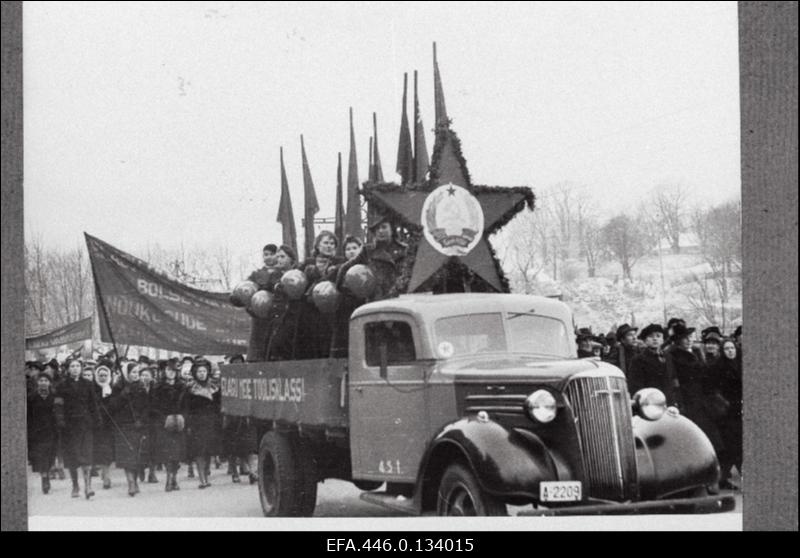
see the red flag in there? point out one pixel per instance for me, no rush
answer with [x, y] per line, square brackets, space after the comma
[376, 157]
[438, 94]
[405, 157]
[353, 214]
[285, 213]
[311, 204]
[338, 227]
[421, 162]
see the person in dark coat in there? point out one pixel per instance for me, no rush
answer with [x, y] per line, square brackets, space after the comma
[648, 369]
[203, 407]
[169, 438]
[42, 429]
[265, 278]
[130, 410]
[584, 341]
[692, 375]
[285, 313]
[625, 349]
[103, 436]
[384, 257]
[32, 370]
[147, 377]
[77, 415]
[712, 343]
[347, 302]
[725, 381]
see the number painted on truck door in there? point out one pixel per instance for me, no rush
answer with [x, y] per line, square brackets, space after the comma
[389, 467]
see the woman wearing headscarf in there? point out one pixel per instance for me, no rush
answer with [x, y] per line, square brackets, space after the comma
[147, 377]
[130, 410]
[692, 378]
[42, 429]
[77, 415]
[103, 436]
[203, 407]
[725, 382]
[168, 422]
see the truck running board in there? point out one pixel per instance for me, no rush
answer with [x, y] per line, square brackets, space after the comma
[391, 501]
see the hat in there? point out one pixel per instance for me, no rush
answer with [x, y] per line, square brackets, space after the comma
[611, 337]
[711, 337]
[584, 334]
[651, 329]
[377, 218]
[675, 321]
[680, 330]
[235, 358]
[35, 364]
[623, 330]
[145, 359]
[712, 329]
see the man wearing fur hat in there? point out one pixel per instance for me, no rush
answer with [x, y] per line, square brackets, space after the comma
[649, 367]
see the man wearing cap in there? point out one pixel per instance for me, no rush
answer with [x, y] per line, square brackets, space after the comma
[625, 349]
[649, 367]
[584, 341]
[265, 277]
[384, 256]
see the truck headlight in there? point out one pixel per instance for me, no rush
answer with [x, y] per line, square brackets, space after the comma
[541, 406]
[650, 403]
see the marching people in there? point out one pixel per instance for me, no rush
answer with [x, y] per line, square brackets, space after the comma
[725, 378]
[202, 404]
[147, 378]
[649, 367]
[625, 349]
[130, 409]
[103, 435]
[42, 429]
[77, 415]
[168, 420]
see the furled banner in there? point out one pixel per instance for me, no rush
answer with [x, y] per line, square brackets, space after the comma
[76, 332]
[142, 306]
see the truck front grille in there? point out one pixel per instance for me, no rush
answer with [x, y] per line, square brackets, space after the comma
[603, 416]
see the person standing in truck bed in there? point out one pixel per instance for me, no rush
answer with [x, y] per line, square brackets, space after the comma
[264, 277]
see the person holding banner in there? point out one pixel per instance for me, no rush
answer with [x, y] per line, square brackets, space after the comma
[130, 409]
[168, 424]
[77, 414]
[103, 436]
[202, 401]
[42, 429]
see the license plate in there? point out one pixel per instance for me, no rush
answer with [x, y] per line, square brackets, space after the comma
[560, 491]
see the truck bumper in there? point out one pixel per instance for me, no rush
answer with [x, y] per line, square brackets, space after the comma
[704, 504]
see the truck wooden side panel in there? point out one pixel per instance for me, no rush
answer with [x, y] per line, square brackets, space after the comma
[302, 392]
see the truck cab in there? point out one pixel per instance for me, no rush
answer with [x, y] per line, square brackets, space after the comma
[466, 404]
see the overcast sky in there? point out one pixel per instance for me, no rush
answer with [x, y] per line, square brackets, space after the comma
[162, 122]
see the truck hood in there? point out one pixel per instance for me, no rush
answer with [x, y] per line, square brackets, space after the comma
[524, 367]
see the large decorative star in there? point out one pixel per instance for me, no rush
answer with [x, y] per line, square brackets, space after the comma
[497, 204]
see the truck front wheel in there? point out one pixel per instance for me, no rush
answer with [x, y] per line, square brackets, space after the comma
[461, 495]
[277, 475]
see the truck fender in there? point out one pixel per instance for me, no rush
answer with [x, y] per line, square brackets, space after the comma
[673, 455]
[506, 462]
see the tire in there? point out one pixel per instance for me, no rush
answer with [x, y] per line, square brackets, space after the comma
[367, 485]
[277, 476]
[461, 495]
[307, 479]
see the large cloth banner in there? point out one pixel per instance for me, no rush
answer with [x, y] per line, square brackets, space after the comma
[76, 332]
[142, 306]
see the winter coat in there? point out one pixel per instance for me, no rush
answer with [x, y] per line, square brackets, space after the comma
[103, 435]
[260, 330]
[167, 399]
[725, 380]
[77, 413]
[130, 409]
[622, 355]
[649, 369]
[385, 260]
[694, 400]
[203, 411]
[42, 432]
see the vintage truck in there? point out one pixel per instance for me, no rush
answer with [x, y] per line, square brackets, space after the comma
[469, 404]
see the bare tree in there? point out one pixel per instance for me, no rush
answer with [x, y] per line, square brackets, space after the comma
[592, 246]
[526, 251]
[718, 231]
[666, 208]
[703, 300]
[627, 241]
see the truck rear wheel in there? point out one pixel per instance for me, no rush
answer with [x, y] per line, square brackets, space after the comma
[461, 495]
[277, 476]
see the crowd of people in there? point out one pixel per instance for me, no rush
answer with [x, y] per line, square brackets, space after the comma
[702, 379]
[84, 416]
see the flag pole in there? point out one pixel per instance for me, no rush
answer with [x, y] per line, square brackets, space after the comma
[101, 304]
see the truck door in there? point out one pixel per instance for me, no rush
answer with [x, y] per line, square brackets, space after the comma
[388, 414]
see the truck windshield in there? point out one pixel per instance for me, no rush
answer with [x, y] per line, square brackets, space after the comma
[493, 332]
